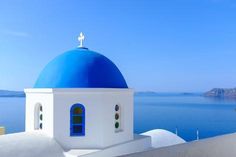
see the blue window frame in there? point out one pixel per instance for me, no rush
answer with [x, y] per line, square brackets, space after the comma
[77, 120]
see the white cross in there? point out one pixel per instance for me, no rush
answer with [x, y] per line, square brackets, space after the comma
[81, 39]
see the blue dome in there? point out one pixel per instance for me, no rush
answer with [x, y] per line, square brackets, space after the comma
[80, 68]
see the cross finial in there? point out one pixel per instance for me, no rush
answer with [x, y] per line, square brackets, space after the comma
[81, 39]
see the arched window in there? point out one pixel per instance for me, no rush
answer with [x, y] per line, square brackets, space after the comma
[38, 117]
[77, 120]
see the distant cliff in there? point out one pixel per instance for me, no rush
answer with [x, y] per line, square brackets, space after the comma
[221, 93]
[7, 93]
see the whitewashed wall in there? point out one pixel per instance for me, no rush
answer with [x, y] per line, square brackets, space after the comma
[99, 115]
[45, 98]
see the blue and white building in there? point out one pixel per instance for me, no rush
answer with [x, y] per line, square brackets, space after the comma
[80, 105]
[82, 100]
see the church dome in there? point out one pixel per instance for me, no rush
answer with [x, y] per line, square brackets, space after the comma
[80, 68]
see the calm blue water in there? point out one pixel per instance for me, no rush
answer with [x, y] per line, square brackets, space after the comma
[12, 114]
[188, 113]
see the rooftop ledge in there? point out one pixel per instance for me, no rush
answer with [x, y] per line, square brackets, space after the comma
[75, 90]
[218, 146]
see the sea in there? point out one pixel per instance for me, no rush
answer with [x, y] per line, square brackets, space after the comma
[182, 114]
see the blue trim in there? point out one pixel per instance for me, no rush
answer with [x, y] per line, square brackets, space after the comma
[71, 120]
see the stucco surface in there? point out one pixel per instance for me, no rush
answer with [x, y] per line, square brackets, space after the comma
[161, 138]
[31, 144]
[221, 146]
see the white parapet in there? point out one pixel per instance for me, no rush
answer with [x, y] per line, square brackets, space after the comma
[30, 144]
[140, 143]
[220, 146]
[163, 138]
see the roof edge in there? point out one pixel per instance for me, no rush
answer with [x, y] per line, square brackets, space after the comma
[76, 90]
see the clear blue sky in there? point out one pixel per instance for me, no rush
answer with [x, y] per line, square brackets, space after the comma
[159, 45]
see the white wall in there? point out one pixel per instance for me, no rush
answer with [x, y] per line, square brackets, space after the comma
[93, 120]
[99, 115]
[125, 100]
[45, 98]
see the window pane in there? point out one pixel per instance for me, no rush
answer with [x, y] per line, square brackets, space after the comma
[77, 119]
[117, 125]
[117, 116]
[117, 107]
[77, 129]
[78, 110]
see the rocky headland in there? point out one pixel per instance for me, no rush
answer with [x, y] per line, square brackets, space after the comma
[221, 93]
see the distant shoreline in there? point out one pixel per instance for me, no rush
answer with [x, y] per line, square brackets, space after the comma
[8, 93]
[221, 93]
[167, 94]
[214, 93]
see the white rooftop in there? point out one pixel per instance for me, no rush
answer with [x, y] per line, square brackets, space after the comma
[162, 138]
[220, 146]
[30, 144]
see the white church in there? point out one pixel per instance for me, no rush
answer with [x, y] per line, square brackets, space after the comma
[81, 100]
[81, 105]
